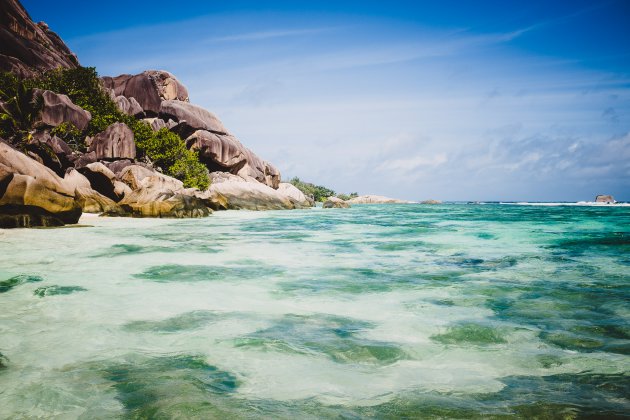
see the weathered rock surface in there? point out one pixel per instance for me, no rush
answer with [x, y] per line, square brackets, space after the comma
[297, 197]
[129, 106]
[149, 88]
[153, 198]
[26, 47]
[335, 203]
[375, 199]
[605, 199]
[226, 154]
[58, 109]
[118, 165]
[32, 194]
[116, 142]
[101, 180]
[190, 118]
[91, 201]
[51, 151]
[232, 192]
[134, 175]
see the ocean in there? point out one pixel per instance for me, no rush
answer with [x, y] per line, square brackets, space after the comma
[378, 311]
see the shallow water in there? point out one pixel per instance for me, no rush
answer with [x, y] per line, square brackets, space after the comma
[386, 311]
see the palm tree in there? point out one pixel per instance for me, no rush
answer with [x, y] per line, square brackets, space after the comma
[19, 112]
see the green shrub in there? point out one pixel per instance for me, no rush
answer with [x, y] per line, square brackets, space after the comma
[167, 151]
[318, 192]
[190, 171]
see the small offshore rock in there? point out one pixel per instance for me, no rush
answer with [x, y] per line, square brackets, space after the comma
[605, 199]
[335, 203]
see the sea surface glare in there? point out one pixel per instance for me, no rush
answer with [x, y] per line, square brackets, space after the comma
[385, 311]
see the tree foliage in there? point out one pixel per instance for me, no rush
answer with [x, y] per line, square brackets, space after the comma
[20, 110]
[317, 192]
[168, 151]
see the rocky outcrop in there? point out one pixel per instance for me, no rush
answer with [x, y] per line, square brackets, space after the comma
[26, 47]
[335, 203]
[58, 109]
[225, 153]
[605, 199]
[134, 176]
[155, 198]
[32, 194]
[102, 180]
[297, 197]
[190, 118]
[149, 89]
[129, 106]
[431, 202]
[375, 199]
[116, 142]
[232, 192]
[51, 151]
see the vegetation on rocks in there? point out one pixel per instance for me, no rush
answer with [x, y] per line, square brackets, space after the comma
[20, 110]
[318, 192]
[167, 151]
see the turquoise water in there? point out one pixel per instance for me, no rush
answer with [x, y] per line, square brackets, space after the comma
[383, 311]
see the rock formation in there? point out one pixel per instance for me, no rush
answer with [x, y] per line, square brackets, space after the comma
[605, 199]
[32, 194]
[431, 202]
[26, 47]
[149, 89]
[116, 142]
[232, 192]
[335, 203]
[58, 109]
[51, 183]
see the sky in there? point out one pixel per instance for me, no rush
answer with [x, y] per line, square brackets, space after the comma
[447, 100]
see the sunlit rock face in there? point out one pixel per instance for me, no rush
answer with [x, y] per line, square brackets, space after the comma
[27, 47]
[32, 194]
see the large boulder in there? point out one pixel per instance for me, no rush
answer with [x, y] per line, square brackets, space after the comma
[32, 194]
[335, 203]
[225, 153]
[154, 198]
[134, 175]
[190, 118]
[116, 142]
[26, 47]
[375, 199]
[58, 109]
[91, 201]
[149, 88]
[297, 197]
[232, 192]
[51, 151]
[102, 180]
[129, 106]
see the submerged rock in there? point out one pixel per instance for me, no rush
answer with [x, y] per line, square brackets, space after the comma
[32, 194]
[6, 285]
[335, 203]
[57, 290]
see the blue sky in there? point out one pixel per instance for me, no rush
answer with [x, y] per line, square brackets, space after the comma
[451, 100]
